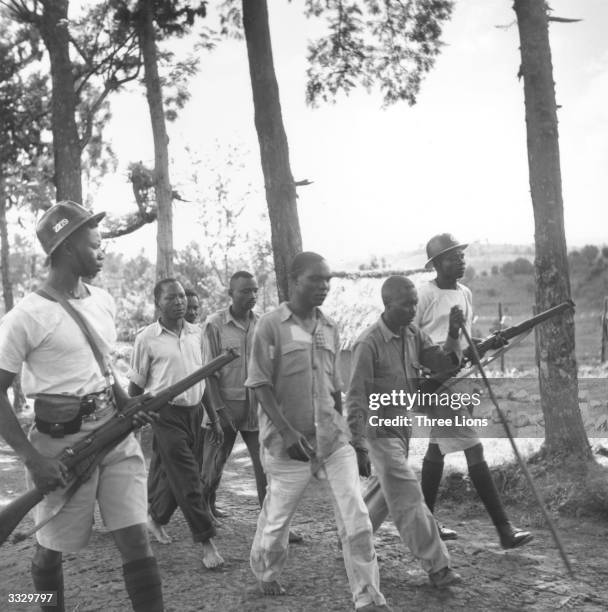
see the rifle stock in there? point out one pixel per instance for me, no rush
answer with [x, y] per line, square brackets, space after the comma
[105, 437]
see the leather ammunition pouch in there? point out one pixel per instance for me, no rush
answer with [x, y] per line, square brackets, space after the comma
[60, 414]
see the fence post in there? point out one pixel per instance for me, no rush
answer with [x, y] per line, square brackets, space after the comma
[500, 327]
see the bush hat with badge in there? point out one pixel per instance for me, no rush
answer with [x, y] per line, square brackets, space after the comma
[440, 245]
[61, 221]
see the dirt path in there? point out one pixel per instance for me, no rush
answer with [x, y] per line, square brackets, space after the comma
[531, 579]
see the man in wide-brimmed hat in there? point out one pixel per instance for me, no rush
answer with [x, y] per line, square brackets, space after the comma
[435, 300]
[40, 335]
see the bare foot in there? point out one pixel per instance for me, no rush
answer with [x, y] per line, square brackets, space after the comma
[158, 531]
[211, 558]
[271, 588]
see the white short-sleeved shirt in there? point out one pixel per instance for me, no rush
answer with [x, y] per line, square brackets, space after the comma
[56, 357]
[434, 305]
[161, 358]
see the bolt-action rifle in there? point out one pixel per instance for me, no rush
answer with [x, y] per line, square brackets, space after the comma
[83, 457]
[495, 340]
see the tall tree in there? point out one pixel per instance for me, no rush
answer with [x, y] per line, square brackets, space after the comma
[53, 26]
[153, 20]
[162, 183]
[274, 151]
[388, 44]
[89, 59]
[564, 431]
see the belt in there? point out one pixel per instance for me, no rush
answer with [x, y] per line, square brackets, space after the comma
[88, 405]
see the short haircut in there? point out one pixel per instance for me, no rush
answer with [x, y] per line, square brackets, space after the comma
[393, 286]
[158, 288]
[191, 293]
[302, 261]
[239, 274]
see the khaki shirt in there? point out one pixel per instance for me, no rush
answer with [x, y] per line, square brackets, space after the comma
[160, 358]
[223, 331]
[384, 361]
[303, 371]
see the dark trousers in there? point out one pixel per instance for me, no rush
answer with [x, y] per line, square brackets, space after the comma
[173, 478]
[215, 457]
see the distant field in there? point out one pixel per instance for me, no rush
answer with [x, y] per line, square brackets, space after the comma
[517, 297]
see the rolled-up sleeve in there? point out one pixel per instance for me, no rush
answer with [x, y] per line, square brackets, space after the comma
[261, 364]
[140, 363]
[15, 343]
[357, 401]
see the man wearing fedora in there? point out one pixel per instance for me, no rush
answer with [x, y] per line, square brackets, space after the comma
[57, 358]
[435, 300]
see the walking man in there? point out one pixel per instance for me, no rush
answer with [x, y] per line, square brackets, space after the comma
[294, 371]
[234, 404]
[386, 358]
[57, 359]
[436, 299]
[165, 352]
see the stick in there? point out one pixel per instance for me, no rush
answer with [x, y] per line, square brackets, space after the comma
[520, 461]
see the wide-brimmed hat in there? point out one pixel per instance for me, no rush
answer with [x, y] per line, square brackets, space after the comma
[440, 244]
[61, 221]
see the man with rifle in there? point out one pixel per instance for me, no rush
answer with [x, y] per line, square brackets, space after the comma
[386, 359]
[435, 299]
[58, 362]
[165, 352]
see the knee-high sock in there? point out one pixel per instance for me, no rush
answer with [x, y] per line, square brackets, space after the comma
[49, 579]
[142, 580]
[429, 481]
[486, 489]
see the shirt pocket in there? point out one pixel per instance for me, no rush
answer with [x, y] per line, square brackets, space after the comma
[295, 358]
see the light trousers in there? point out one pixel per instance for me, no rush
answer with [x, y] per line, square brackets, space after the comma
[398, 491]
[287, 481]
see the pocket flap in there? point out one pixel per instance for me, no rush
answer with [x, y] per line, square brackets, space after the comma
[56, 407]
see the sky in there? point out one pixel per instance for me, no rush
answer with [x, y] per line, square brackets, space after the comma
[385, 180]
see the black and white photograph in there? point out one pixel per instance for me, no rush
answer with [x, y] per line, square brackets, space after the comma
[304, 305]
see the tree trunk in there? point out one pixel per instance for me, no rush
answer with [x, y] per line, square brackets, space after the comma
[564, 431]
[7, 288]
[162, 183]
[66, 143]
[274, 152]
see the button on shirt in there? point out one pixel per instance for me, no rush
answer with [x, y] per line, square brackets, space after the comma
[302, 369]
[223, 331]
[161, 358]
[384, 361]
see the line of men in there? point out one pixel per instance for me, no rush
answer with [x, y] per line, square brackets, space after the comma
[289, 367]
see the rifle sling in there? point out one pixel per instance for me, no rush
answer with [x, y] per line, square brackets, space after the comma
[55, 296]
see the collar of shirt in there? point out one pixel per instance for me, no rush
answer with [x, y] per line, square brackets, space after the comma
[188, 328]
[229, 318]
[389, 334]
[286, 313]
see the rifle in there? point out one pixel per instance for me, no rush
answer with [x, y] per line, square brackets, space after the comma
[515, 330]
[437, 380]
[82, 458]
